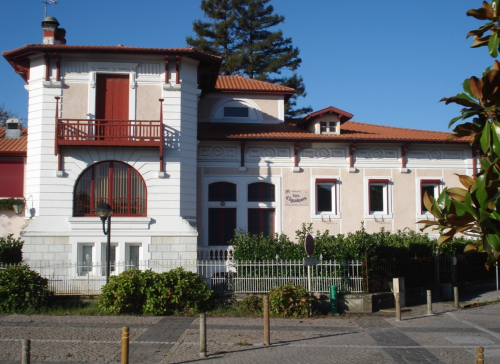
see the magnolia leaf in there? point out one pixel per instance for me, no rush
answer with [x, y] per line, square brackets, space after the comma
[428, 201]
[462, 99]
[478, 33]
[476, 87]
[481, 42]
[485, 138]
[454, 120]
[457, 193]
[496, 65]
[479, 14]
[494, 6]
[490, 13]
[495, 136]
[494, 241]
[493, 45]
[444, 237]
[470, 248]
[466, 181]
[463, 209]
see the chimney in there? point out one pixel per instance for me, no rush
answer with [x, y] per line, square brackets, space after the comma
[52, 34]
[13, 129]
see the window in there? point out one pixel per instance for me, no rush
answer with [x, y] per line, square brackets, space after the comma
[85, 259]
[112, 258]
[115, 183]
[133, 256]
[221, 225]
[222, 191]
[432, 189]
[378, 197]
[326, 196]
[261, 221]
[261, 191]
[238, 112]
[326, 127]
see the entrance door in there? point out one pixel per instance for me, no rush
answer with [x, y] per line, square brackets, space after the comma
[112, 94]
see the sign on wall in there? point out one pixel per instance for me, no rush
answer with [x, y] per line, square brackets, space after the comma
[296, 197]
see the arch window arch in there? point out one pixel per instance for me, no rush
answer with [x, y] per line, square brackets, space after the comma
[111, 182]
[261, 191]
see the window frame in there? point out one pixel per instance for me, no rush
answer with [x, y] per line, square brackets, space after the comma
[436, 183]
[386, 199]
[236, 116]
[328, 127]
[222, 184]
[84, 270]
[261, 219]
[261, 192]
[326, 181]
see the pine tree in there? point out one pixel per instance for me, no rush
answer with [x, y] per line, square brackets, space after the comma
[239, 32]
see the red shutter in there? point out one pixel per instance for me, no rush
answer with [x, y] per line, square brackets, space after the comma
[12, 177]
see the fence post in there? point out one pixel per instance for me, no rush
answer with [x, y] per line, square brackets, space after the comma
[398, 307]
[436, 267]
[366, 271]
[25, 355]
[479, 355]
[267, 339]
[429, 302]
[203, 335]
[125, 342]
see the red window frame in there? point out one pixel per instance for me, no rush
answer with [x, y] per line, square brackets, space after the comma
[380, 181]
[261, 219]
[110, 197]
[427, 181]
[334, 201]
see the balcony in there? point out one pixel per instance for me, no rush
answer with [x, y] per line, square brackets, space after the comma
[107, 133]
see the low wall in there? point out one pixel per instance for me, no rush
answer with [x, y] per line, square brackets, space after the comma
[10, 223]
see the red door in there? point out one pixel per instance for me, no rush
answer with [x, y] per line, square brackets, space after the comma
[112, 96]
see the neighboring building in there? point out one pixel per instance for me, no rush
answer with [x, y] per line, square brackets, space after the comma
[13, 140]
[185, 156]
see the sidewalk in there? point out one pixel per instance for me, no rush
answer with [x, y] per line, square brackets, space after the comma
[449, 336]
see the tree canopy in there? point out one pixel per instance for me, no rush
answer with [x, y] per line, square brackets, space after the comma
[243, 33]
[6, 114]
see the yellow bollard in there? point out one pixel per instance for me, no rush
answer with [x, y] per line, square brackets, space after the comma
[480, 355]
[125, 341]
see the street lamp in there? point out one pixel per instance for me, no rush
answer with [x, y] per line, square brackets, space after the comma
[18, 207]
[104, 211]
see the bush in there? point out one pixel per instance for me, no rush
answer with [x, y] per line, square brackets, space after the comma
[22, 289]
[252, 304]
[136, 292]
[10, 250]
[290, 301]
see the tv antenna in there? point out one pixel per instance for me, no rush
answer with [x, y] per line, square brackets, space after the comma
[49, 2]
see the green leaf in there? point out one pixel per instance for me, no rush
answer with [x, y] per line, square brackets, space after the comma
[463, 207]
[494, 241]
[486, 138]
[493, 45]
[466, 87]
[495, 136]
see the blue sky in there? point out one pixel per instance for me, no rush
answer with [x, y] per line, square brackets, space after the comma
[387, 62]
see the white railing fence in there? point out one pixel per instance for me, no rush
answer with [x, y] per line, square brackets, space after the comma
[222, 275]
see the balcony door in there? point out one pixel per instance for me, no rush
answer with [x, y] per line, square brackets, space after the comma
[112, 95]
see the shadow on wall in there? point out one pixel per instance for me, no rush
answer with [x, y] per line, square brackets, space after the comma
[10, 223]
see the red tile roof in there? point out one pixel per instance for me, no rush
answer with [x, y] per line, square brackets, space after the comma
[13, 146]
[240, 83]
[343, 115]
[350, 131]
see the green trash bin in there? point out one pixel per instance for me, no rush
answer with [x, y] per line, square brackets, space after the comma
[333, 300]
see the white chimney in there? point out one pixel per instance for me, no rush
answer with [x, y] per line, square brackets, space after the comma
[52, 34]
[13, 129]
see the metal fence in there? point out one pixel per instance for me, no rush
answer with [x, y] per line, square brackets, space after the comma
[222, 275]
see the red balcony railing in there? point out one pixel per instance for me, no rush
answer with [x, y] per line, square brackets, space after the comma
[92, 132]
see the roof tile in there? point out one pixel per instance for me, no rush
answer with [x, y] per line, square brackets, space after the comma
[14, 146]
[240, 83]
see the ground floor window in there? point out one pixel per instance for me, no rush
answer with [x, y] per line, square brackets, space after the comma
[378, 198]
[431, 187]
[112, 258]
[261, 221]
[221, 225]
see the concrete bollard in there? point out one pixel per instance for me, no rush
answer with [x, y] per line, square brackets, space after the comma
[267, 338]
[479, 355]
[125, 344]
[429, 302]
[455, 295]
[25, 356]
[203, 335]
[398, 307]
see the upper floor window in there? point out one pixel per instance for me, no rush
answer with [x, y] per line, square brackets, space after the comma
[378, 196]
[222, 191]
[326, 127]
[238, 112]
[115, 183]
[261, 192]
[431, 187]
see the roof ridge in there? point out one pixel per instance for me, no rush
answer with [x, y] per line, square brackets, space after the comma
[398, 127]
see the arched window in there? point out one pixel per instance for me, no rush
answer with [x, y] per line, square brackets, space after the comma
[115, 183]
[222, 191]
[261, 191]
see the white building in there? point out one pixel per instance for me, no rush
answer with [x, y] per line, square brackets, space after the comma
[186, 156]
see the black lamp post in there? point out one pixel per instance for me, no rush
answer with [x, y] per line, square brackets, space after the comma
[104, 211]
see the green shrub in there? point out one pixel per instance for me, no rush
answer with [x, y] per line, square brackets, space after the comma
[252, 304]
[22, 289]
[6, 203]
[176, 291]
[10, 250]
[136, 292]
[289, 301]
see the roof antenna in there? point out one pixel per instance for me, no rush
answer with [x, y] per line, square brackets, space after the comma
[49, 2]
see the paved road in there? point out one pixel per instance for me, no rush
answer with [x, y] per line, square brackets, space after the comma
[448, 337]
